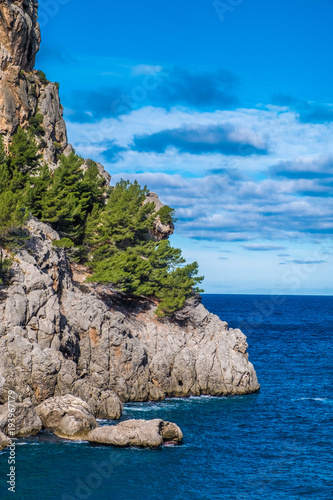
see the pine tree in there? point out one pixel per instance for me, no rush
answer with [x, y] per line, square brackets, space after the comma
[111, 235]
[36, 190]
[64, 207]
[23, 152]
[125, 221]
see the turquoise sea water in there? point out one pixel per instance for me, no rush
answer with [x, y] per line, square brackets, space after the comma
[276, 444]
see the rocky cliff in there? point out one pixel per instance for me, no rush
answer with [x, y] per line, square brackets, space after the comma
[60, 335]
[24, 92]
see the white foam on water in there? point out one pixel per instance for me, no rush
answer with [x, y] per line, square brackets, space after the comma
[313, 399]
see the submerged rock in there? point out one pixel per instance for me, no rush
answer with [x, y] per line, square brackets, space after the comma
[68, 417]
[140, 433]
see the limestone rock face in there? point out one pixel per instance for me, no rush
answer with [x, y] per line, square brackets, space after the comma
[67, 416]
[19, 34]
[22, 90]
[26, 420]
[4, 441]
[104, 404]
[140, 433]
[59, 336]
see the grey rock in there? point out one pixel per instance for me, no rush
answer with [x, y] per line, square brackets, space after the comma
[104, 404]
[4, 441]
[171, 432]
[27, 369]
[67, 416]
[139, 433]
[23, 420]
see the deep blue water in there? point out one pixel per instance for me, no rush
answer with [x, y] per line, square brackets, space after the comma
[276, 444]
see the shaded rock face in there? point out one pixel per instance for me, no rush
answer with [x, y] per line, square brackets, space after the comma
[171, 433]
[19, 34]
[140, 433]
[27, 422]
[59, 336]
[4, 441]
[67, 416]
[21, 95]
[103, 403]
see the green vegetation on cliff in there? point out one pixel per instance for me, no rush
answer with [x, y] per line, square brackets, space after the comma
[106, 228]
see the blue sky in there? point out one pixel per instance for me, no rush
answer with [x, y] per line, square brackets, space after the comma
[225, 109]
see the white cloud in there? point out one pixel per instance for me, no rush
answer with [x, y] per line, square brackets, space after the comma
[146, 69]
[226, 198]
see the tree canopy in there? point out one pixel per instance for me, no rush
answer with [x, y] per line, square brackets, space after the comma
[107, 229]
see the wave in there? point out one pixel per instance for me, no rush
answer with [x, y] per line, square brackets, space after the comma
[314, 399]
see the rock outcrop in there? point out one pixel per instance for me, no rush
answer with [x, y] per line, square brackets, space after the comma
[160, 230]
[68, 417]
[139, 433]
[26, 421]
[59, 336]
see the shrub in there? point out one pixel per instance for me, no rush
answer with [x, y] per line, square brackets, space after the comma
[63, 243]
[42, 77]
[5, 265]
[35, 124]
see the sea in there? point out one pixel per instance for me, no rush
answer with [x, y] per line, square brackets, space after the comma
[276, 444]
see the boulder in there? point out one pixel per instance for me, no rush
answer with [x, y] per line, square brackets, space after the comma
[4, 441]
[25, 419]
[139, 433]
[67, 416]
